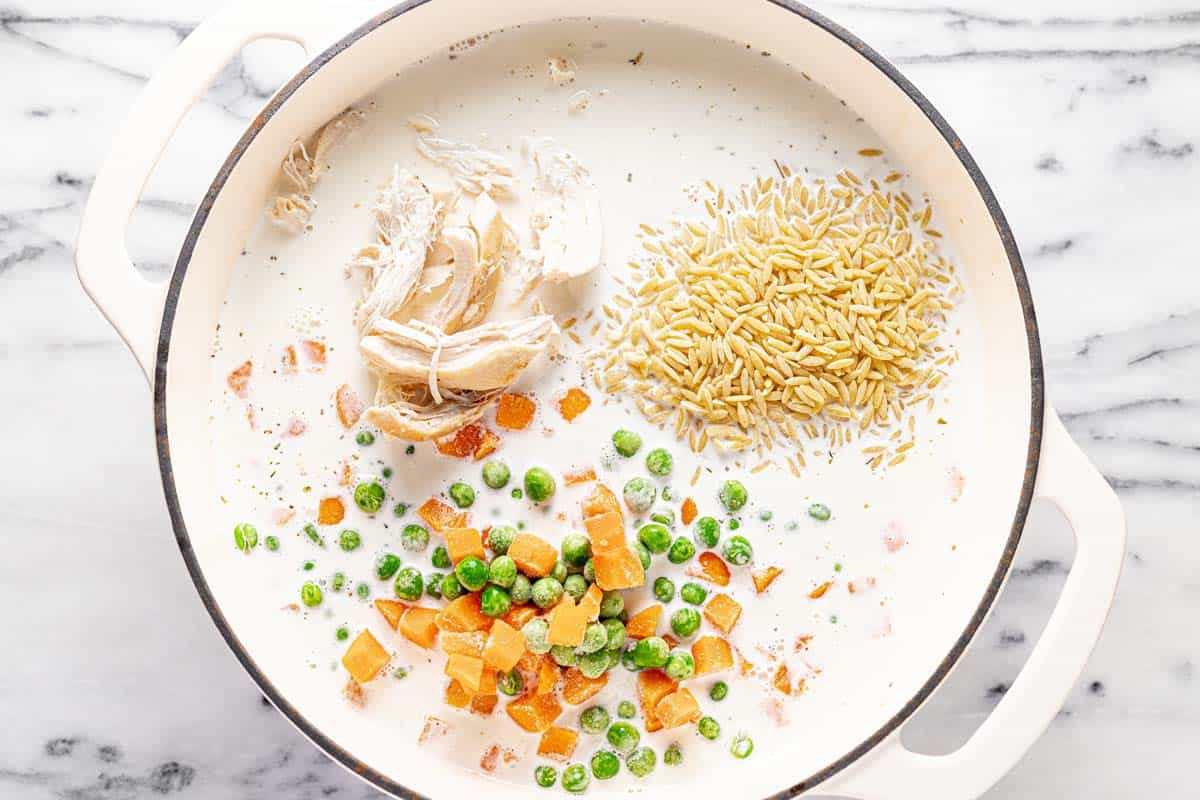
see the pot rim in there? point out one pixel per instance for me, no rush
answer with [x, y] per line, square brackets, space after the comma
[387, 784]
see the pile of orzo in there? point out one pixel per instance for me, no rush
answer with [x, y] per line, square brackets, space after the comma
[794, 308]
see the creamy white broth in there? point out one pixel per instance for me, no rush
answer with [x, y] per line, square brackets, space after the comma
[692, 109]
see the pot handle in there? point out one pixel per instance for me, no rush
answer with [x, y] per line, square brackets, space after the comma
[1068, 479]
[132, 304]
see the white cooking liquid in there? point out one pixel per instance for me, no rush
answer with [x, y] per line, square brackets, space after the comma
[692, 109]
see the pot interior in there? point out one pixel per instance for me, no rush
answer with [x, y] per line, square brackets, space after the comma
[678, 98]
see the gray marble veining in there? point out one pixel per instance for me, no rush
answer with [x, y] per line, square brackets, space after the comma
[1083, 116]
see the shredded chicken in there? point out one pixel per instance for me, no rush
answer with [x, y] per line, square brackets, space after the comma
[303, 167]
[565, 221]
[475, 169]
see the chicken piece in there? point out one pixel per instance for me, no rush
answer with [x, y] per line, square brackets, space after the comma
[475, 169]
[417, 418]
[303, 167]
[565, 222]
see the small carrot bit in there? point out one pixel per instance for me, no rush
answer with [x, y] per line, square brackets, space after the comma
[782, 680]
[573, 403]
[711, 568]
[314, 351]
[465, 441]
[820, 591]
[488, 445]
[579, 475]
[289, 359]
[330, 511]
[763, 578]
[688, 512]
[349, 407]
[440, 516]
[239, 379]
[514, 412]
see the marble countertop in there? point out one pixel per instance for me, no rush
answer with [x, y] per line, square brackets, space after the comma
[115, 685]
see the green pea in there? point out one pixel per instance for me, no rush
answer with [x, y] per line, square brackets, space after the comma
[314, 535]
[664, 589]
[502, 571]
[337, 581]
[641, 762]
[611, 604]
[685, 622]
[626, 710]
[547, 592]
[615, 630]
[386, 566]
[673, 756]
[272, 543]
[545, 776]
[451, 588]
[682, 550]
[349, 540]
[663, 516]
[821, 512]
[628, 662]
[414, 538]
[500, 538]
[719, 691]
[656, 537]
[517, 494]
[564, 656]
[521, 590]
[623, 737]
[472, 573]
[639, 494]
[707, 532]
[589, 570]
[433, 584]
[680, 665]
[387, 472]
[462, 494]
[693, 593]
[576, 549]
[594, 719]
[369, 496]
[537, 636]
[738, 551]
[400, 509]
[496, 474]
[732, 495]
[709, 728]
[595, 638]
[605, 765]
[539, 484]
[626, 442]
[659, 462]
[559, 572]
[643, 554]
[575, 779]
[409, 584]
[342, 634]
[245, 537]
[510, 683]
[734, 524]
[441, 558]
[575, 586]
[365, 438]
[494, 602]
[742, 746]
[363, 591]
[651, 652]
[593, 665]
[311, 595]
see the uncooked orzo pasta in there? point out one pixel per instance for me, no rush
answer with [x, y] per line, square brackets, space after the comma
[794, 307]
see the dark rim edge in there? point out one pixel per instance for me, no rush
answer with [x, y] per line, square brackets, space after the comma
[1037, 405]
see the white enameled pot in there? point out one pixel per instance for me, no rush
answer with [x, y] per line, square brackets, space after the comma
[170, 327]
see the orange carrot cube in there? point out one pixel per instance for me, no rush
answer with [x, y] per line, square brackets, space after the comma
[567, 623]
[579, 475]
[578, 688]
[558, 743]
[688, 512]
[763, 578]
[820, 591]
[487, 445]
[723, 612]
[392, 611]
[463, 542]
[330, 511]
[711, 654]
[467, 643]
[440, 516]
[239, 379]
[644, 624]
[600, 501]
[349, 407]
[782, 680]
[463, 443]
[607, 532]
[419, 626]
[678, 708]
[534, 712]
[314, 350]
[463, 614]
[547, 676]
[711, 568]
[517, 616]
[467, 670]
[573, 403]
[504, 647]
[487, 681]
[365, 657]
[590, 602]
[653, 685]
[533, 555]
[514, 412]
[619, 569]
[484, 704]
[456, 695]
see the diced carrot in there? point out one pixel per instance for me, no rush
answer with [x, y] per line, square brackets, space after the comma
[547, 677]
[567, 623]
[620, 569]
[517, 616]
[653, 685]
[579, 475]
[534, 712]
[239, 379]
[467, 670]
[314, 350]
[463, 614]
[487, 681]
[644, 624]
[590, 602]
[289, 360]
[782, 680]
[723, 612]
[573, 403]
[558, 743]
[711, 654]
[463, 443]
[456, 695]
[607, 532]
[463, 542]
[820, 591]
[514, 412]
[392, 611]
[467, 643]
[710, 567]
[504, 646]
[687, 512]
[330, 511]
[484, 704]
[533, 555]
[419, 626]
[349, 407]
[578, 688]
[763, 578]
[440, 516]
[365, 657]
[487, 445]
[599, 501]
[678, 708]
